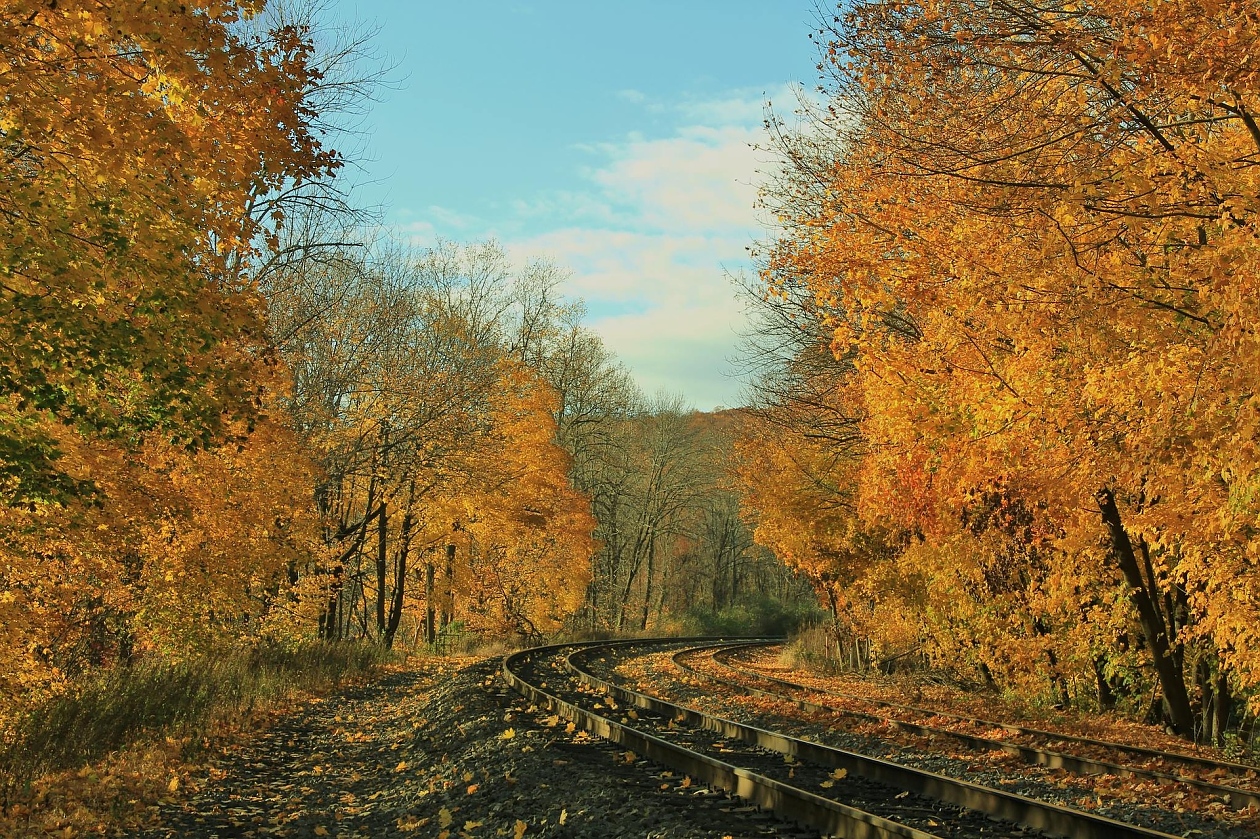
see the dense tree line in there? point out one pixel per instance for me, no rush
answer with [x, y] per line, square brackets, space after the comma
[1010, 347]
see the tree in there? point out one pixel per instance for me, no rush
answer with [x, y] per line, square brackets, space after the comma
[414, 379]
[1027, 232]
[121, 194]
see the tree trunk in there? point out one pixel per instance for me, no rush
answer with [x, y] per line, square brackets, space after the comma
[647, 590]
[381, 556]
[400, 578]
[329, 619]
[448, 606]
[1222, 706]
[430, 611]
[1171, 679]
[636, 562]
[1106, 697]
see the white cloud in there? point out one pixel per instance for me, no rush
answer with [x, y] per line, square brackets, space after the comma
[418, 232]
[652, 237]
[663, 222]
[452, 219]
[701, 179]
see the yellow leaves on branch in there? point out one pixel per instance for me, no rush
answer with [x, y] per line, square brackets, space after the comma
[186, 552]
[1036, 262]
[135, 137]
[524, 530]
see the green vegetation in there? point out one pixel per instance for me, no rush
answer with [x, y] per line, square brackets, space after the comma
[755, 614]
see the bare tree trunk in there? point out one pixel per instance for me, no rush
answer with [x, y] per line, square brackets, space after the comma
[1172, 680]
[329, 619]
[382, 531]
[650, 571]
[400, 579]
[1106, 696]
[430, 609]
[1222, 704]
[448, 604]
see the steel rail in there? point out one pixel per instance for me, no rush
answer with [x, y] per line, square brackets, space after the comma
[1234, 796]
[1050, 818]
[790, 803]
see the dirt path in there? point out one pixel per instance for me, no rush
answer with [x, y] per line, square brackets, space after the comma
[330, 765]
[463, 759]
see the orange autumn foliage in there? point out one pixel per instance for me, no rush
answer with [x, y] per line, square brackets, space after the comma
[1030, 232]
[524, 539]
[189, 550]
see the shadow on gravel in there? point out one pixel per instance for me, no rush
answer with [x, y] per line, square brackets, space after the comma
[467, 759]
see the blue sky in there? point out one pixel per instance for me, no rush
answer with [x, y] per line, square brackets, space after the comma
[612, 138]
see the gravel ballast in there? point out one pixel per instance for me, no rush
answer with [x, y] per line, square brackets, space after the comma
[467, 758]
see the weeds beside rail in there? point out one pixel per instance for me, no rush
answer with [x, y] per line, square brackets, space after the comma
[186, 700]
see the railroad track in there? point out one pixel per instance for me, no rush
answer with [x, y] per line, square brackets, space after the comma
[1164, 770]
[837, 792]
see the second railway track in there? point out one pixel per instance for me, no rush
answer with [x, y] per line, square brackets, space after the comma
[835, 791]
[1159, 766]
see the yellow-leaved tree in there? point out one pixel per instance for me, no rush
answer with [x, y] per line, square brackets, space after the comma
[1029, 231]
[145, 494]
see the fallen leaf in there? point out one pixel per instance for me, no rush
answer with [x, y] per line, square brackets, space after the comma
[519, 829]
[508, 734]
[173, 786]
[840, 774]
[320, 830]
[564, 814]
[401, 767]
[444, 817]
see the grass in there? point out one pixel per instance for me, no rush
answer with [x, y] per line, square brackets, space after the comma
[754, 615]
[156, 700]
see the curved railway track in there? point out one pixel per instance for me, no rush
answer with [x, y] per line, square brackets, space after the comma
[835, 791]
[1160, 766]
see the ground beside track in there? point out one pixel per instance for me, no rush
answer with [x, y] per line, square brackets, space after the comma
[467, 758]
